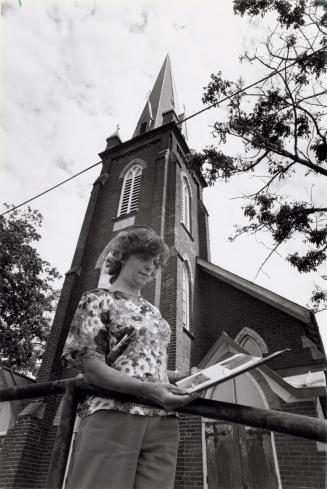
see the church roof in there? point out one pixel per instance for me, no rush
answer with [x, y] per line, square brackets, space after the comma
[301, 313]
[163, 98]
[275, 300]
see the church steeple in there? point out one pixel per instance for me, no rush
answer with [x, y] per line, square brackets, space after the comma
[162, 100]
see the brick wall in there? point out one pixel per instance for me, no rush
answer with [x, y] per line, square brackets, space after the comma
[301, 465]
[19, 461]
[189, 472]
[222, 307]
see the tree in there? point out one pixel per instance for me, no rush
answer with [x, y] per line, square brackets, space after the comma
[282, 126]
[27, 296]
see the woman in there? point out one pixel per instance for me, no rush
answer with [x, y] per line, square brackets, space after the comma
[120, 341]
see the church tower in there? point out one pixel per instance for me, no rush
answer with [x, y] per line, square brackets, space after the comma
[145, 180]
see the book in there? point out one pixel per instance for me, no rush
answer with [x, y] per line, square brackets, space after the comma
[230, 366]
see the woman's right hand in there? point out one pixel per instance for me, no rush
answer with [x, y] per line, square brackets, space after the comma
[168, 396]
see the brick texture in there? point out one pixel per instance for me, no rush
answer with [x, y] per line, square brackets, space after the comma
[216, 306]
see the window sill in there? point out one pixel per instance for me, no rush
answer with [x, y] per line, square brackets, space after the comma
[187, 231]
[123, 216]
[188, 333]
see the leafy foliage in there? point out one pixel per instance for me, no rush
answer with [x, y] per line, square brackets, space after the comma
[27, 297]
[282, 126]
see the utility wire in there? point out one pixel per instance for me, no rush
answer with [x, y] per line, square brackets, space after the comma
[215, 104]
[275, 72]
[51, 188]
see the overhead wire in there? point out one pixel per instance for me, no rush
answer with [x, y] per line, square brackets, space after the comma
[51, 188]
[241, 90]
[215, 104]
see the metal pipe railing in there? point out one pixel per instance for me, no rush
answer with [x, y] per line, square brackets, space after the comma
[73, 389]
[63, 438]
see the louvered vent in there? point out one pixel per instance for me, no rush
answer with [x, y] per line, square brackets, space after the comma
[186, 205]
[136, 192]
[130, 191]
[186, 298]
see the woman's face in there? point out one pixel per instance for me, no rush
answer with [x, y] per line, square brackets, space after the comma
[137, 269]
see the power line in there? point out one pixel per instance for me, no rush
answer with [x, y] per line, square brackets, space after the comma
[51, 188]
[215, 104]
[275, 72]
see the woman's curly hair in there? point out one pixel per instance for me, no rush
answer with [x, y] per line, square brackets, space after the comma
[137, 239]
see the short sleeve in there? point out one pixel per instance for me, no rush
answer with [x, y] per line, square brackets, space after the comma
[88, 335]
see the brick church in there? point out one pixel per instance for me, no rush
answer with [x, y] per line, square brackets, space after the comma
[146, 180]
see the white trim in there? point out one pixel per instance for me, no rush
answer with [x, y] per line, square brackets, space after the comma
[186, 203]
[128, 165]
[308, 379]
[204, 454]
[103, 255]
[75, 431]
[321, 447]
[249, 332]
[185, 175]
[129, 197]
[185, 258]
[123, 223]
[186, 297]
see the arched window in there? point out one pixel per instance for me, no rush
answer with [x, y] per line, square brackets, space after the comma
[186, 296]
[252, 342]
[186, 204]
[251, 346]
[130, 191]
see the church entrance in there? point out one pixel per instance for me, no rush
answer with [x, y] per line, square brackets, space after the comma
[239, 456]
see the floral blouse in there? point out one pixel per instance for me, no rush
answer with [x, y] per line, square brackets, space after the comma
[127, 333]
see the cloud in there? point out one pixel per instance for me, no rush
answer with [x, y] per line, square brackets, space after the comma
[54, 15]
[5, 8]
[178, 27]
[64, 164]
[140, 27]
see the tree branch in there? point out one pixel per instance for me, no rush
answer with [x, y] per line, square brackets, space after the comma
[266, 259]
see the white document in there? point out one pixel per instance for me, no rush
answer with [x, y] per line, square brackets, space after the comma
[232, 365]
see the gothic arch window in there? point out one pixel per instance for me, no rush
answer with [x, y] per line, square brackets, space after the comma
[186, 300]
[251, 346]
[252, 342]
[104, 278]
[129, 197]
[186, 204]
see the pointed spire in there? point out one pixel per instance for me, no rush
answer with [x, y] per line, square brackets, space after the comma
[162, 99]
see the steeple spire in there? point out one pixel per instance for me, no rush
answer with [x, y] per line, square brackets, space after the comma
[162, 99]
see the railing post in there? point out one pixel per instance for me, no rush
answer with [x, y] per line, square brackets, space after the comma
[63, 439]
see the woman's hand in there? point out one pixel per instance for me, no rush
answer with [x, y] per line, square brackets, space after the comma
[168, 396]
[179, 374]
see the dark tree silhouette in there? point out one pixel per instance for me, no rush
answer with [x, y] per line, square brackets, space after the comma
[27, 297]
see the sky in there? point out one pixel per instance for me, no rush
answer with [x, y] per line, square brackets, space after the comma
[71, 71]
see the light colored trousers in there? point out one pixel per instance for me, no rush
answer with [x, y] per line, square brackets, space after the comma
[123, 451]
